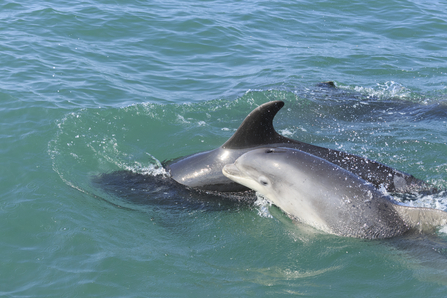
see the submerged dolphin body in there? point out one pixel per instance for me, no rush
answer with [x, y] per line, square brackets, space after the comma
[327, 197]
[204, 170]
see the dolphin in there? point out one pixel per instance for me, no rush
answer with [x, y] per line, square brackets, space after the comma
[204, 170]
[327, 197]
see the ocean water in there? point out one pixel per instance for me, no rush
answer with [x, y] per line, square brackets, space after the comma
[94, 87]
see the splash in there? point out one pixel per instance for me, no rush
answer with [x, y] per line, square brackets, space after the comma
[385, 90]
[154, 168]
[262, 205]
[434, 201]
[96, 141]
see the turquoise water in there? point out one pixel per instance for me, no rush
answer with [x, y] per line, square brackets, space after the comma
[99, 86]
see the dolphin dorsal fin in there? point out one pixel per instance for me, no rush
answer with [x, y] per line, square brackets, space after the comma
[257, 128]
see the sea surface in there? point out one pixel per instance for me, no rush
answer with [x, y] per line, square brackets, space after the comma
[94, 87]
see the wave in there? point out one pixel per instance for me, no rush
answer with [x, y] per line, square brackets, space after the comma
[136, 139]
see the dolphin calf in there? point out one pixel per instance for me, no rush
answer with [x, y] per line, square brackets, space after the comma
[204, 170]
[327, 197]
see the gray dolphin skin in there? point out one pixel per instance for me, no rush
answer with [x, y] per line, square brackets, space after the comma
[327, 197]
[204, 170]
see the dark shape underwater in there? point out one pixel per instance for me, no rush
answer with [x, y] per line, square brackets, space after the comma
[162, 191]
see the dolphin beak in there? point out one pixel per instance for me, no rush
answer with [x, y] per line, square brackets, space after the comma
[231, 170]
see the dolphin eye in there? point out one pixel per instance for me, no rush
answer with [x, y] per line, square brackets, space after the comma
[270, 150]
[264, 180]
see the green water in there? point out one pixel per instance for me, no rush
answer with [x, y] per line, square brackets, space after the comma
[95, 87]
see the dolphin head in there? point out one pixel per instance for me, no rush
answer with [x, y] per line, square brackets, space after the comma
[281, 175]
[272, 172]
[251, 171]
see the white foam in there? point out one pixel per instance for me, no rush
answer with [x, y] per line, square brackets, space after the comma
[182, 119]
[262, 204]
[152, 167]
[289, 132]
[435, 201]
[386, 90]
[286, 132]
[383, 190]
[155, 168]
[443, 230]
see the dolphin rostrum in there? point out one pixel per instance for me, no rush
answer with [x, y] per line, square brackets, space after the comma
[325, 196]
[204, 170]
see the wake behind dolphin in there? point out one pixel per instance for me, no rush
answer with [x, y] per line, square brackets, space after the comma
[326, 196]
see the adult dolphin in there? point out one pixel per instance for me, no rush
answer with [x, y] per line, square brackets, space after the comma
[204, 170]
[327, 197]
